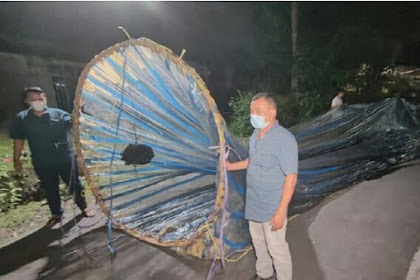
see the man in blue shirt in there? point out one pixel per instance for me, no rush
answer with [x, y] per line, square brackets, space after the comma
[272, 169]
[48, 133]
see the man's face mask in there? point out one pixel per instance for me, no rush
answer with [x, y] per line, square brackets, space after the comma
[258, 121]
[38, 105]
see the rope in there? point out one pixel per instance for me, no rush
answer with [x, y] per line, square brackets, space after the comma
[224, 154]
[109, 222]
[79, 227]
[227, 259]
[244, 252]
[72, 175]
[212, 237]
[94, 249]
[125, 32]
[182, 53]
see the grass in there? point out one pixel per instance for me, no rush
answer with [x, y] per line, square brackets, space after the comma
[19, 216]
[16, 222]
[25, 218]
[6, 150]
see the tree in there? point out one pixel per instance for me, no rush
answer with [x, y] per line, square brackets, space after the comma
[331, 43]
[294, 23]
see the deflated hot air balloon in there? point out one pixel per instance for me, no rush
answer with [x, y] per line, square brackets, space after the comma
[152, 146]
[149, 138]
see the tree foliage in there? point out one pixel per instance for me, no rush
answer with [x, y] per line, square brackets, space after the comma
[292, 109]
[239, 104]
[339, 45]
[334, 41]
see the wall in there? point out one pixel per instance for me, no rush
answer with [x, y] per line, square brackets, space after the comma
[18, 71]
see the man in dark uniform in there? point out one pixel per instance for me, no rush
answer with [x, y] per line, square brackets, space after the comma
[48, 133]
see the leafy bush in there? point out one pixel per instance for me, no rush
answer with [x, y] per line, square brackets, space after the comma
[398, 87]
[10, 191]
[11, 184]
[309, 104]
[292, 109]
[239, 124]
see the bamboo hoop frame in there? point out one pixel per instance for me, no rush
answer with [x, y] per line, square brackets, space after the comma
[219, 121]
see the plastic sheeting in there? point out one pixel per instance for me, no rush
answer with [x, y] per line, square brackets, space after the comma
[137, 98]
[351, 144]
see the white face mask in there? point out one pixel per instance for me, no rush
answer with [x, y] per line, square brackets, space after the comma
[258, 121]
[38, 106]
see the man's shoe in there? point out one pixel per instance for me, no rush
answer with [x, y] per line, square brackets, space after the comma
[256, 277]
[55, 219]
[88, 213]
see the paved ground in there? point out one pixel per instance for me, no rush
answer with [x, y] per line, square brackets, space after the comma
[368, 232]
[414, 271]
[371, 231]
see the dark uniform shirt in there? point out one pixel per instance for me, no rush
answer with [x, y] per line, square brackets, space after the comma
[48, 135]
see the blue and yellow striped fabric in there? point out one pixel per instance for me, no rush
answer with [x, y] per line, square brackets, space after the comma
[138, 92]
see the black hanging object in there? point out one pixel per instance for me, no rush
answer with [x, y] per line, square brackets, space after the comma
[137, 154]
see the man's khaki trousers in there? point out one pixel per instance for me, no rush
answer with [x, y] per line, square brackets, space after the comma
[271, 248]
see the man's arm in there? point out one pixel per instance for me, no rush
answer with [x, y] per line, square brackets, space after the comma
[288, 158]
[240, 165]
[17, 153]
[280, 215]
[17, 134]
[67, 121]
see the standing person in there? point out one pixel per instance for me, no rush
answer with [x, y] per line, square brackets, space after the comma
[272, 169]
[48, 133]
[338, 99]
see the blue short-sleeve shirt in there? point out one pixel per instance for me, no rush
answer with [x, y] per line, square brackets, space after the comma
[270, 160]
[48, 135]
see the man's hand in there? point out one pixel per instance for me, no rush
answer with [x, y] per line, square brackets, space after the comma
[277, 221]
[18, 165]
[17, 152]
[240, 165]
[228, 165]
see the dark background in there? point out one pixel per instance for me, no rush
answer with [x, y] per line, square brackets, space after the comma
[244, 46]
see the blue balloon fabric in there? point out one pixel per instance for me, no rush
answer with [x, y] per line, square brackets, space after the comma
[145, 125]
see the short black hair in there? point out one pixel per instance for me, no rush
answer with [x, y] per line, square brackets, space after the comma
[269, 97]
[31, 89]
[339, 90]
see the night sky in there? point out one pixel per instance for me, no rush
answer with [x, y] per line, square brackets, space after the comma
[221, 36]
[79, 30]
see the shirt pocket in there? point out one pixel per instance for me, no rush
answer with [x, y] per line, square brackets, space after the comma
[56, 130]
[264, 159]
[54, 123]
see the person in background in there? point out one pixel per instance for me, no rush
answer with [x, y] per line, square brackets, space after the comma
[48, 133]
[271, 178]
[338, 99]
